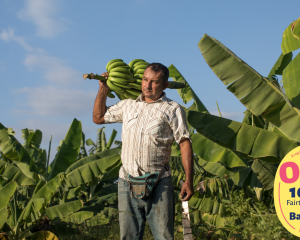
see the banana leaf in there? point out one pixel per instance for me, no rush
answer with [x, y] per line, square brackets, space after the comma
[47, 190]
[97, 221]
[212, 152]
[12, 173]
[14, 151]
[92, 158]
[32, 139]
[68, 151]
[30, 211]
[4, 216]
[296, 29]
[290, 79]
[111, 139]
[6, 193]
[280, 65]
[259, 95]
[82, 146]
[91, 170]
[78, 217]
[101, 140]
[42, 235]
[265, 173]
[186, 93]
[289, 42]
[60, 211]
[241, 138]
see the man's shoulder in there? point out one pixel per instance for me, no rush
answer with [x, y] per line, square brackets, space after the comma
[173, 104]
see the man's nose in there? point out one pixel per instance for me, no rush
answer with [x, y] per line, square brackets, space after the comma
[148, 85]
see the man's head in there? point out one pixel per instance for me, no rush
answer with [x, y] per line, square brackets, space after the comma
[155, 80]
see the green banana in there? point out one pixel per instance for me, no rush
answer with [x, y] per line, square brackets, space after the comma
[139, 81]
[139, 76]
[120, 96]
[118, 75]
[140, 63]
[139, 71]
[131, 79]
[112, 61]
[117, 80]
[114, 87]
[135, 68]
[134, 61]
[135, 86]
[128, 95]
[121, 70]
[126, 86]
[116, 64]
[133, 92]
[110, 95]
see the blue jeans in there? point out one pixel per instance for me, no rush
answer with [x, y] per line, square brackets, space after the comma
[158, 209]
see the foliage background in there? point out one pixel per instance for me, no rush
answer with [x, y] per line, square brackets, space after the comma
[46, 46]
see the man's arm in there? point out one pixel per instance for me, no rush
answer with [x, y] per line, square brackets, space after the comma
[187, 160]
[100, 102]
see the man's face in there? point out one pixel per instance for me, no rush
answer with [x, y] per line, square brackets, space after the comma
[152, 84]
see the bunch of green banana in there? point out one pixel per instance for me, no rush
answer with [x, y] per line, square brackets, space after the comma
[137, 68]
[120, 78]
[125, 80]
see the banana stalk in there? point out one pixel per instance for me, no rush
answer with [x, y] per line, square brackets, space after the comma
[172, 84]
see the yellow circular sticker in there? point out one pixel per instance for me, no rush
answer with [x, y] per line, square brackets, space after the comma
[287, 191]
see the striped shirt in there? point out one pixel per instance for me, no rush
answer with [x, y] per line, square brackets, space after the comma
[148, 132]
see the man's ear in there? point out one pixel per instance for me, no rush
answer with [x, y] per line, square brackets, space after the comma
[166, 85]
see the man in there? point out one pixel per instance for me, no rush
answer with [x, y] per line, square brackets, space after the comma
[150, 125]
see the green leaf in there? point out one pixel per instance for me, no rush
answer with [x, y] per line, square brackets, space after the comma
[78, 217]
[91, 170]
[68, 151]
[4, 216]
[42, 235]
[13, 150]
[242, 138]
[13, 173]
[83, 161]
[47, 191]
[6, 193]
[90, 142]
[111, 139]
[290, 78]
[265, 173]
[289, 42]
[280, 64]
[58, 212]
[212, 152]
[97, 221]
[296, 28]
[186, 93]
[33, 206]
[260, 96]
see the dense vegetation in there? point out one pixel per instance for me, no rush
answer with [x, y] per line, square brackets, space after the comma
[235, 163]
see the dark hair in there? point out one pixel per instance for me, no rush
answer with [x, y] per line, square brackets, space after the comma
[158, 67]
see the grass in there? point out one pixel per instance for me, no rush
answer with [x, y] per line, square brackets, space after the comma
[111, 231]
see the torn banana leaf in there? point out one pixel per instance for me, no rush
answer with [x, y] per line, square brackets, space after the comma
[259, 95]
[289, 41]
[241, 138]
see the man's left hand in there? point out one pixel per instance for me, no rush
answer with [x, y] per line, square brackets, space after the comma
[187, 188]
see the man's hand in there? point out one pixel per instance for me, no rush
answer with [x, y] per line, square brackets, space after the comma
[187, 160]
[103, 84]
[187, 190]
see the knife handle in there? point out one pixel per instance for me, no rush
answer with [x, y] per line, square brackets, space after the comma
[181, 183]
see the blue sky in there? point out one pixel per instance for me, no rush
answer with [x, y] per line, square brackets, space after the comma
[46, 46]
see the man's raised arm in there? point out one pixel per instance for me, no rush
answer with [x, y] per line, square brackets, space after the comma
[100, 102]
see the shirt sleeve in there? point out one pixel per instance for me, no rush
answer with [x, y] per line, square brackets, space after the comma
[114, 113]
[179, 125]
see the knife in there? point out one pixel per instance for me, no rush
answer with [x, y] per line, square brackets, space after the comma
[186, 223]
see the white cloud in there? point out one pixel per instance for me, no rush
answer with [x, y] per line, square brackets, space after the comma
[55, 70]
[43, 15]
[55, 101]
[9, 35]
[236, 116]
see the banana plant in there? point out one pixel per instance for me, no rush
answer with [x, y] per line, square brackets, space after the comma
[257, 93]
[101, 143]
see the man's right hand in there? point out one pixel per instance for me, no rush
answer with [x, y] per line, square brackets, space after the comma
[103, 84]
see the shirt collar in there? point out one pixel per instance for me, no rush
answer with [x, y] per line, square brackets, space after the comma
[163, 98]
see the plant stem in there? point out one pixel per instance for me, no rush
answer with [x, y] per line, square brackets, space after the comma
[48, 158]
